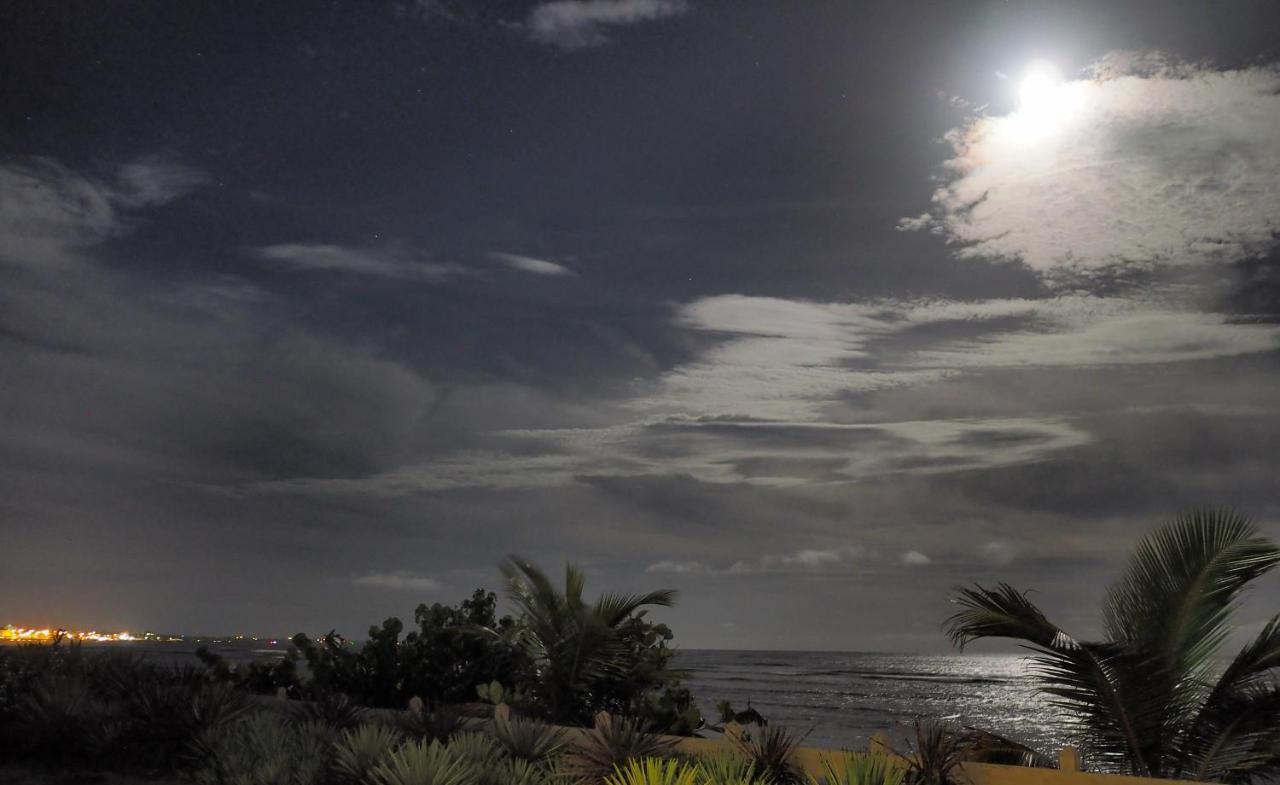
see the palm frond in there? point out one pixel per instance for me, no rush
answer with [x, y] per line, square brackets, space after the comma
[1084, 678]
[614, 608]
[1181, 586]
[1238, 727]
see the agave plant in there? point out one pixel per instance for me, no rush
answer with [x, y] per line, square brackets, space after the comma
[263, 749]
[333, 709]
[159, 720]
[59, 718]
[1148, 699]
[772, 749]
[515, 771]
[359, 750]
[730, 768]
[859, 769]
[527, 739]
[438, 724]
[612, 743]
[573, 643]
[422, 763]
[655, 771]
[936, 751]
[477, 749]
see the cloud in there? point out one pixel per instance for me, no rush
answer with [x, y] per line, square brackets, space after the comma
[801, 561]
[155, 180]
[914, 559]
[580, 24]
[792, 359]
[48, 212]
[999, 553]
[811, 558]
[781, 360]
[763, 406]
[404, 581]
[261, 402]
[380, 263]
[1146, 166]
[678, 567]
[1085, 331]
[770, 454]
[529, 264]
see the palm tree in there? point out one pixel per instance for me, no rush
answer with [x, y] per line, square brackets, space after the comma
[1148, 699]
[574, 644]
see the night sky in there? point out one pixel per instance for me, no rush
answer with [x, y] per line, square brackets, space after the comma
[310, 312]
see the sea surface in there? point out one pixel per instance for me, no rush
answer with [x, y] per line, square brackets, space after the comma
[841, 699]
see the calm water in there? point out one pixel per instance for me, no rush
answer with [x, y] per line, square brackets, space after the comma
[843, 698]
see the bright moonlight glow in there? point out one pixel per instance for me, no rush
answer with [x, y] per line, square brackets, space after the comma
[1045, 102]
[1038, 85]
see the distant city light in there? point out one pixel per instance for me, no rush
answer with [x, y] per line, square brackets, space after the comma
[12, 634]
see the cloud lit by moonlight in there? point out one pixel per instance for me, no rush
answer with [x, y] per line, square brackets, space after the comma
[1168, 166]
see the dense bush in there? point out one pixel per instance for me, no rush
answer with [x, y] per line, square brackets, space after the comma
[260, 677]
[454, 650]
[563, 658]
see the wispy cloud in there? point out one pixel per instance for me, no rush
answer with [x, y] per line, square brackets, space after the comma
[757, 408]
[154, 180]
[807, 560]
[668, 567]
[48, 211]
[380, 263]
[580, 24]
[1149, 164]
[406, 581]
[530, 264]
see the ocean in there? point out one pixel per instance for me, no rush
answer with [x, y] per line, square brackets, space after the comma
[841, 699]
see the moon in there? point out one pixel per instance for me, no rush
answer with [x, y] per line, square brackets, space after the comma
[1046, 102]
[1039, 86]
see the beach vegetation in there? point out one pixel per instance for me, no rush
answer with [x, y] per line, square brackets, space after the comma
[730, 768]
[263, 748]
[935, 751]
[528, 739]
[359, 750]
[772, 750]
[423, 763]
[612, 743]
[587, 656]
[437, 723]
[656, 771]
[860, 769]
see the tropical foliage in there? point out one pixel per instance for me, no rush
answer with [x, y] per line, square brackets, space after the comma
[855, 769]
[612, 743]
[561, 657]
[936, 750]
[772, 751]
[587, 656]
[656, 771]
[1149, 698]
